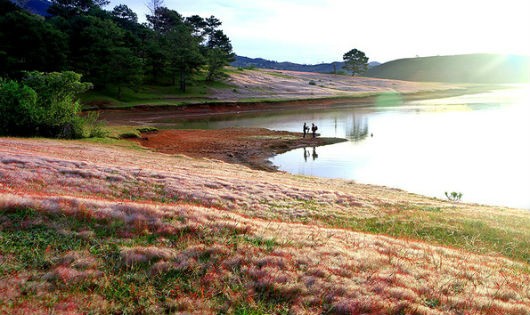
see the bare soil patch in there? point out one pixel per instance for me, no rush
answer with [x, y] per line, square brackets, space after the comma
[249, 146]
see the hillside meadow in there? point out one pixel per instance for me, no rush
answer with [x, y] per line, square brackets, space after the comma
[87, 227]
[251, 86]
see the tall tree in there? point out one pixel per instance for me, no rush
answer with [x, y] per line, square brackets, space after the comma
[198, 25]
[218, 55]
[164, 20]
[124, 69]
[124, 13]
[216, 46]
[355, 61]
[101, 54]
[183, 54]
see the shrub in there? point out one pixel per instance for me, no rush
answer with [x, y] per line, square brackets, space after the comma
[312, 82]
[18, 109]
[57, 102]
[44, 104]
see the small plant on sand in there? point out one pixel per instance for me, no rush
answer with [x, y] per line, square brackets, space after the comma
[453, 196]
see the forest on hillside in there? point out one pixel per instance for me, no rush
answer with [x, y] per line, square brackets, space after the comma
[110, 48]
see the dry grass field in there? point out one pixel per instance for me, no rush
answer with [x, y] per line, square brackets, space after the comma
[282, 84]
[97, 228]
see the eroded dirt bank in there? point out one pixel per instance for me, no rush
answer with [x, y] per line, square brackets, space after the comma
[249, 146]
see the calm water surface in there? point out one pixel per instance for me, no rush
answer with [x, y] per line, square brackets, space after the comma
[478, 145]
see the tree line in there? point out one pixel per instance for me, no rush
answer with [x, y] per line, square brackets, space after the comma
[111, 48]
[42, 60]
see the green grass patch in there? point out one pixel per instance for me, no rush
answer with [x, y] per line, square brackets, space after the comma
[268, 244]
[432, 225]
[31, 243]
[151, 95]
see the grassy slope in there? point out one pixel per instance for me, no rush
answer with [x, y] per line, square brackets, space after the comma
[151, 95]
[476, 68]
[262, 85]
[99, 228]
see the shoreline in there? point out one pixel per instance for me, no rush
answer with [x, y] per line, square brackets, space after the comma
[146, 114]
[252, 147]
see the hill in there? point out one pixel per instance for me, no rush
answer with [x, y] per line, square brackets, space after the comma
[285, 84]
[39, 7]
[333, 67]
[472, 68]
[259, 85]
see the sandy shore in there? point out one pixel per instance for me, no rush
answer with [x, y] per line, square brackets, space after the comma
[248, 146]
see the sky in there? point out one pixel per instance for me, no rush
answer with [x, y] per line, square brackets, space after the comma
[316, 31]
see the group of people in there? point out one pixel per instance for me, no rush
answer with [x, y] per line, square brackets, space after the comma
[314, 129]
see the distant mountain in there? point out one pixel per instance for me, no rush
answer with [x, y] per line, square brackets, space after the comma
[39, 7]
[472, 68]
[245, 62]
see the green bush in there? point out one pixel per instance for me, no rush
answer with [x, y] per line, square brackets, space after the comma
[44, 104]
[18, 109]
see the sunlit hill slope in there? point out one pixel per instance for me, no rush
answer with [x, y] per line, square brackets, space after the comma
[473, 68]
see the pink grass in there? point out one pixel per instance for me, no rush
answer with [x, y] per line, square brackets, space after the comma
[215, 209]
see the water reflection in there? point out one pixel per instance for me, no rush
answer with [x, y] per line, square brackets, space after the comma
[479, 148]
[478, 145]
[350, 123]
[313, 155]
[358, 130]
[306, 154]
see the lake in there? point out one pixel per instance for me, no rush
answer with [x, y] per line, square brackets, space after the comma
[477, 145]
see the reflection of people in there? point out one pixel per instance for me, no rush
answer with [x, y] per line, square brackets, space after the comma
[306, 129]
[314, 129]
[314, 155]
[306, 154]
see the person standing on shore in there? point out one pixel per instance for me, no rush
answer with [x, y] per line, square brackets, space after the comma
[306, 129]
[314, 129]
